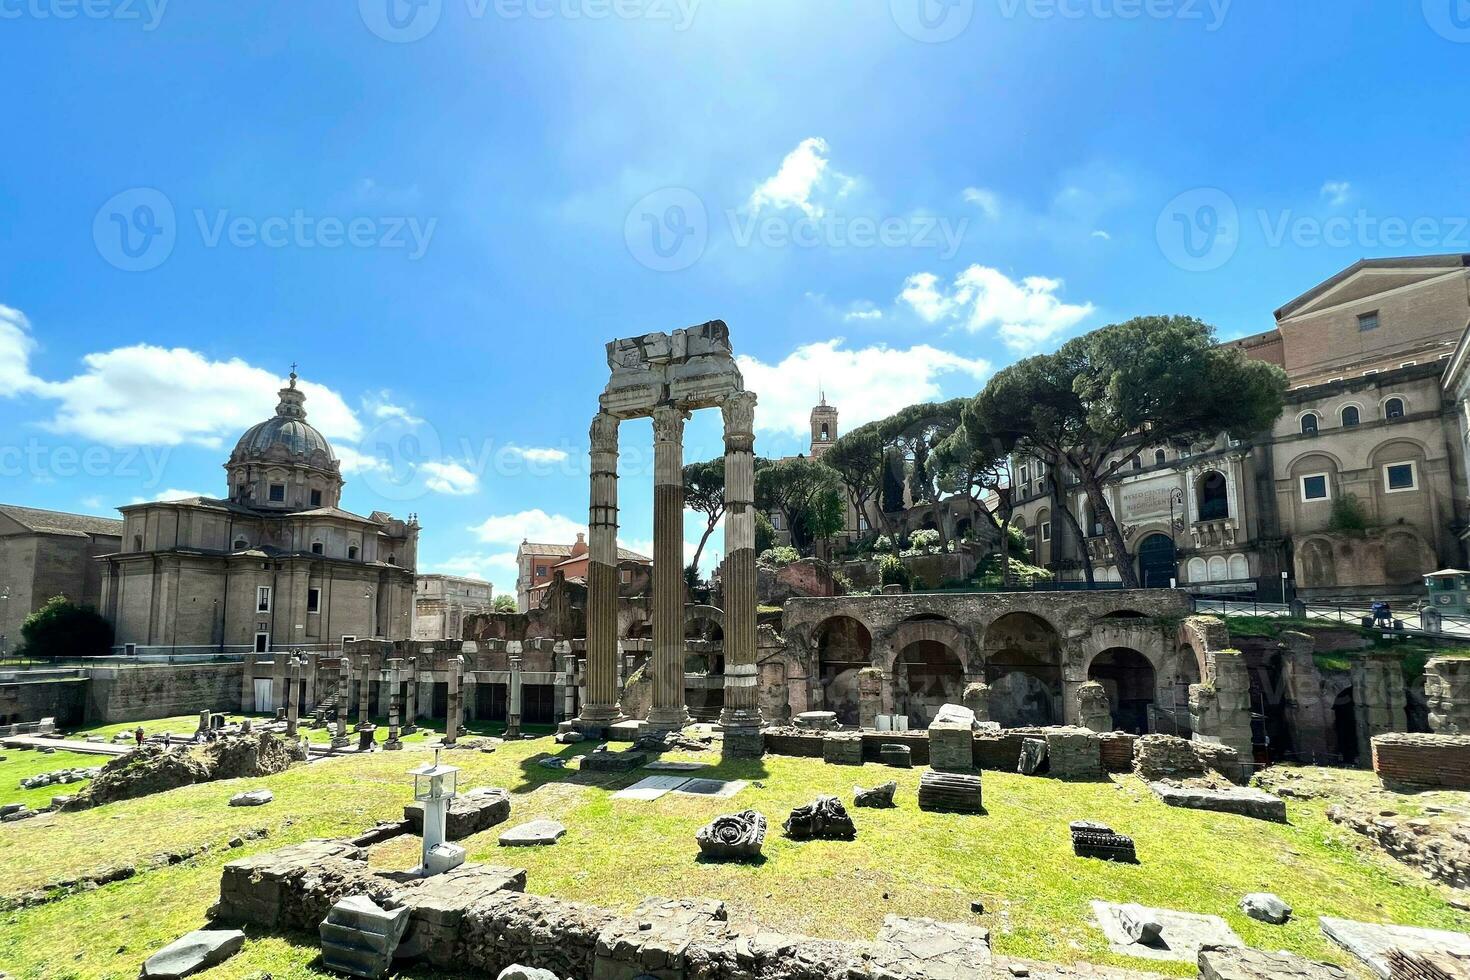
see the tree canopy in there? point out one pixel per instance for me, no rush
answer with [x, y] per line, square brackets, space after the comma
[704, 491]
[62, 628]
[1151, 380]
[794, 488]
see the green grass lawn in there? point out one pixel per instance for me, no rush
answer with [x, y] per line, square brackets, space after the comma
[1017, 860]
[21, 764]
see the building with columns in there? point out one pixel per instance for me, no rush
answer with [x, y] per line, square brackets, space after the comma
[441, 603]
[1358, 489]
[275, 563]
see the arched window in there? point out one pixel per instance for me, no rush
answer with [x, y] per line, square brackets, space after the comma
[1160, 457]
[1309, 424]
[1212, 497]
[1350, 416]
[1393, 408]
[317, 548]
[352, 552]
[1136, 462]
[241, 544]
[137, 542]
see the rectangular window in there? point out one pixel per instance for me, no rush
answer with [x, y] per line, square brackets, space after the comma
[1408, 364]
[316, 498]
[1046, 530]
[313, 600]
[1400, 477]
[1315, 487]
[263, 599]
[540, 570]
[278, 492]
[1368, 321]
[317, 549]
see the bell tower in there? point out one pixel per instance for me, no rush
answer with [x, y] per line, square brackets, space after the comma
[824, 427]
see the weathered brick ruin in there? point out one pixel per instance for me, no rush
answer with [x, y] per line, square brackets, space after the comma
[1413, 762]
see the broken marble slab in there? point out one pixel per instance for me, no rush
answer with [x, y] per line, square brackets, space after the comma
[193, 952]
[720, 789]
[650, 788]
[535, 833]
[1371, 942]
[1181, 936]
[935, 950]
[661, 766]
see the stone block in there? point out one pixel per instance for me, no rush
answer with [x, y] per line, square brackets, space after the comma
[952, 747]
[254, 797]
[469, 812]
[947, 792]
[359, 937]
[1241, 800]
[625, 760]
[825, 818]
[1266, 907]
[897, 756]
[1096, 840]
[1255, 964]
[818, 720]
[934, 950]
[533, 834]
[843, 749]
[195, 951]
[439, 904]
[733, 837]
[879, 797]
[1141, 924]
[1073, 753]
[1032, 761]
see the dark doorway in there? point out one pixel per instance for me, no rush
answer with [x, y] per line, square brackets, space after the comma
[1213, 497]
[538, 704]
[1157, 562]
[1129, 679]
[1270, 727]
[927, 676]
[844, 647]
[1345, 727]
[490, 702]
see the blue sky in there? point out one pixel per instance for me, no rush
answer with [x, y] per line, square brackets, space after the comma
[442, 211]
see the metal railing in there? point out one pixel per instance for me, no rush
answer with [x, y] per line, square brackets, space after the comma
[1405, 620]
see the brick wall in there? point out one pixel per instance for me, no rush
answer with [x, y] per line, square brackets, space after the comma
[1441, 761]
[161, 690]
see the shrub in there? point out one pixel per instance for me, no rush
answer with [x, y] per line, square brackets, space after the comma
[924, 539]
[892, 571]
[61, 628]
[779, 557]
[882, 543]
[1347, 514]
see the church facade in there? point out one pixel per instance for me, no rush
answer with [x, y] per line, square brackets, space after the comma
[276, 564]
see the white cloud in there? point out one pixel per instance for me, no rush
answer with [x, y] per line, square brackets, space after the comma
[16, 345]
[170, 494]
[449, 477]
[1337, 192]
[1026, 314]
[148, 395]
[1099, 233]
[865, 384]
[535, 454]
[379, 405]
[529, 525]
[862, 311]
[354, 462]
[803, 174]
[987, 201]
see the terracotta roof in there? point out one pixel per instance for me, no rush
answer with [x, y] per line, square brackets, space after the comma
[57, 522]
[547, 550]
[1454, 260]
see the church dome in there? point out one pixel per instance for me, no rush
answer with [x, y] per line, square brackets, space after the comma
[288, 433]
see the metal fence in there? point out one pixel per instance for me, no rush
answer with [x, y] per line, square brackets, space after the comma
[1405, 620]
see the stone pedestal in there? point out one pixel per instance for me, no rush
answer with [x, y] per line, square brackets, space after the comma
[293, 695]
[600, 702]
[977, 699]
[668, 711]
[1447, 693]
[364, 690]
[1220, 711]
[741, 715]
[340, 740]
[870, 697]
[952, 740]
[1093, 708]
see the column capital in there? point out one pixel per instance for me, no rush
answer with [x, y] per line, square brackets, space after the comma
[668, 423]
[739, 412]
[603, 434]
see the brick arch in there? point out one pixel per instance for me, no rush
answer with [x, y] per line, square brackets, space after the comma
[944, 631]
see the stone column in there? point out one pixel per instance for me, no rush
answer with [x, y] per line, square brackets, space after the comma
[1447, 691]
[741, 717]
[1093, 707]
[411, 700]
[455, 712]
[308, 694]
[395, 706]
[344, 697]
[600, 705]
[293, 694]
[1380, 698]
[364, 689]
[668, 711]
[513, 699]
[278, 682]
[870, 697]
[569, 683]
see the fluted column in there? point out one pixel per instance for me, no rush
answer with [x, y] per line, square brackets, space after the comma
[741, 717]
[668, 711]
[600, 706]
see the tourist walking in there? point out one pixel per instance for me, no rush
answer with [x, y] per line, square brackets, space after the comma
[138, 736]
